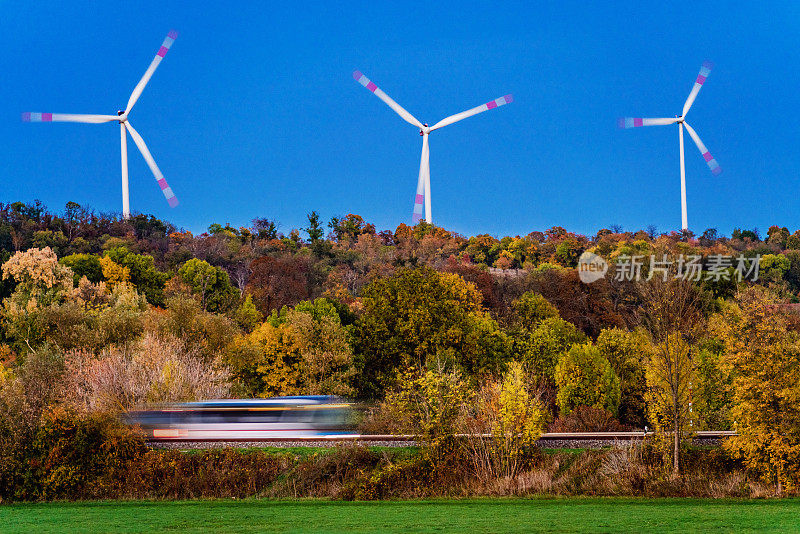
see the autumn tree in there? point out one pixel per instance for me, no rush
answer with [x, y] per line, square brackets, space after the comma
[40, 282]
[531, 308]
[672, 315]
[305, 350]
[764, 355]
[485, 282]
[509, 410]
[590, 307]
[113, 273]
[279, 281]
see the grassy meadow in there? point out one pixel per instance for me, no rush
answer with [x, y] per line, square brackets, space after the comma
[480, 515]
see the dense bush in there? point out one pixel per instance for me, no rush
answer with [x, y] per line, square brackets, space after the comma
[587, 419]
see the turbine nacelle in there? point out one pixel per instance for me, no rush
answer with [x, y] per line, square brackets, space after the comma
[425, 129]
[123, 117]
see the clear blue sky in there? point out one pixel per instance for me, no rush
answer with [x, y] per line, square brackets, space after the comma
[254, 112]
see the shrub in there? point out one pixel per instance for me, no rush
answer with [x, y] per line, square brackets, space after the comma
[155, 369]
[587, 419]
[427, 403]
[206, 333]
[80, 457]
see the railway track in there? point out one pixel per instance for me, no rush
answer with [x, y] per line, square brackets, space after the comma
[547, 440]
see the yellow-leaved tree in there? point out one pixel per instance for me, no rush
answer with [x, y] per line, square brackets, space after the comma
[513, 416]
[305, 350]
[764, 357]
[114, 273]
[40, 282]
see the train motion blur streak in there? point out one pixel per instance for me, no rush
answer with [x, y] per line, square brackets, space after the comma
[246, 419]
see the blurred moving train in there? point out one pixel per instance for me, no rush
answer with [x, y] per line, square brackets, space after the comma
[246, 419]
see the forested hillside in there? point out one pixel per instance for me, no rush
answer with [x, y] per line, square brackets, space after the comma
[102, 315]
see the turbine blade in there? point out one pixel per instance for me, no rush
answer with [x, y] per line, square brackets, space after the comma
[705, 70]
[162, 183]
[631, 122]
[710, 161]
[137, 91]
[408, 117]
[67, 117]
[503, 100]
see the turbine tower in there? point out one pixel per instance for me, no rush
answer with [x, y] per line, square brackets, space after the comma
[124, 126]
[629, 122]
[424, 181]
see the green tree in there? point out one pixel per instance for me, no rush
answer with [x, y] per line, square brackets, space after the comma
[144, 276]
[87, 265]
[247, 315]
[419, 316]
[541, 348]
[773, 267]
[350, 227]
[210, 283]
[585, 378]
[627, 353]
[316, 235]
[265, 228]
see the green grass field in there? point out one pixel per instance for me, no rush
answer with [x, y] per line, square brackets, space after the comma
[474, 516]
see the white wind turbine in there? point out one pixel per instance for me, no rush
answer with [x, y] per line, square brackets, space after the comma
[629, 122]
[424, 182]
[124, 124]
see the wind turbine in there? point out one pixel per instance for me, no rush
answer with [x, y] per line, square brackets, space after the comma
[629, 122]
[424, 182]
[124, 125]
